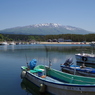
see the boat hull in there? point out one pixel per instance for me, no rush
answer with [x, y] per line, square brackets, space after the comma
[92, 43]
[88, 60]
[56, 87]
[76, 71]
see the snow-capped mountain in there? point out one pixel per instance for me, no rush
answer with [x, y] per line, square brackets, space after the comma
[45, 29]
[55, 25]
[47, 24]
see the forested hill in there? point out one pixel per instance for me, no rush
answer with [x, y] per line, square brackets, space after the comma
[72, 37]
[45, 29]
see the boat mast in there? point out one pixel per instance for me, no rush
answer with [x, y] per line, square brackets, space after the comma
[26, 60]
[75, 70]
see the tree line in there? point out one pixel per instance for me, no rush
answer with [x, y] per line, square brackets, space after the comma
[73, 37]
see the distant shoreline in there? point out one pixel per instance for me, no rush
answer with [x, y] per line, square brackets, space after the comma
[63, 42]
[50, 42]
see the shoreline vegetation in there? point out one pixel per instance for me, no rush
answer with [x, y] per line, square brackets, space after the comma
[48, 38]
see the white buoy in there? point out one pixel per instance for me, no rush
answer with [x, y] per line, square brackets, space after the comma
[23, 73]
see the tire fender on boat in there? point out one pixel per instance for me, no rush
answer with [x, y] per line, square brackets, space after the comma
[23, 74]
[84, 58]
[42, 88]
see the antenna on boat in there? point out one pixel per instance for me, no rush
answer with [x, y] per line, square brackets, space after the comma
[49, 63]
[92, 49]
[26, 60]
[47, 55]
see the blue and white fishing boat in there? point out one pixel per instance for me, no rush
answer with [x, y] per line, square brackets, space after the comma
[55, 81]
[75, 69]
[85, 57]
[92, 43]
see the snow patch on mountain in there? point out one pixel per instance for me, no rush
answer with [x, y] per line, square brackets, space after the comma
[71, 28]
[55, 25]
[47, 24]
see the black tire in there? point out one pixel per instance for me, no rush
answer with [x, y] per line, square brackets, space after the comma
[84, 58]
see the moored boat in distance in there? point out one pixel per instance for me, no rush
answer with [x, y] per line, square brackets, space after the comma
[4, 43]
[12, 43]
[75, 69]
[92, 43]
[85, 57]
[55, 81]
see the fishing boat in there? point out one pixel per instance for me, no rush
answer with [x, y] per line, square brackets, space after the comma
[4, 43]
[75, 69]
[85, 57]
[55, 81]
[92, 43]
[12, 43]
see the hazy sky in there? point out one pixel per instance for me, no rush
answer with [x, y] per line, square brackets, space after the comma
[77, 13]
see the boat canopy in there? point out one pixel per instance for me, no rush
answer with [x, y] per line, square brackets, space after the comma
[32, 64]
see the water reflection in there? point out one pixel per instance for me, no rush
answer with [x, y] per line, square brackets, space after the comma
[13, 57]
[6, 47]
[57, 54]
[31, 88]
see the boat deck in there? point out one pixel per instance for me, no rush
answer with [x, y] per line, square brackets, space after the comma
[52, 80]
[47, 78]
[62, 78]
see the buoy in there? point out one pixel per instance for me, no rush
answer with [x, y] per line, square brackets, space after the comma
[23, 73]
[42, 88]
[84, 58]
[43, 76]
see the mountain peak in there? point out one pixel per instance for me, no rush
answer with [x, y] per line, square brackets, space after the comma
[45, 29]
[47, 24]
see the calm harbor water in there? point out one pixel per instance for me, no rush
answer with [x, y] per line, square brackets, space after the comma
[12, 57]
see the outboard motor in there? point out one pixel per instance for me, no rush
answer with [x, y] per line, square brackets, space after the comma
[68, 62]
[32, 64]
